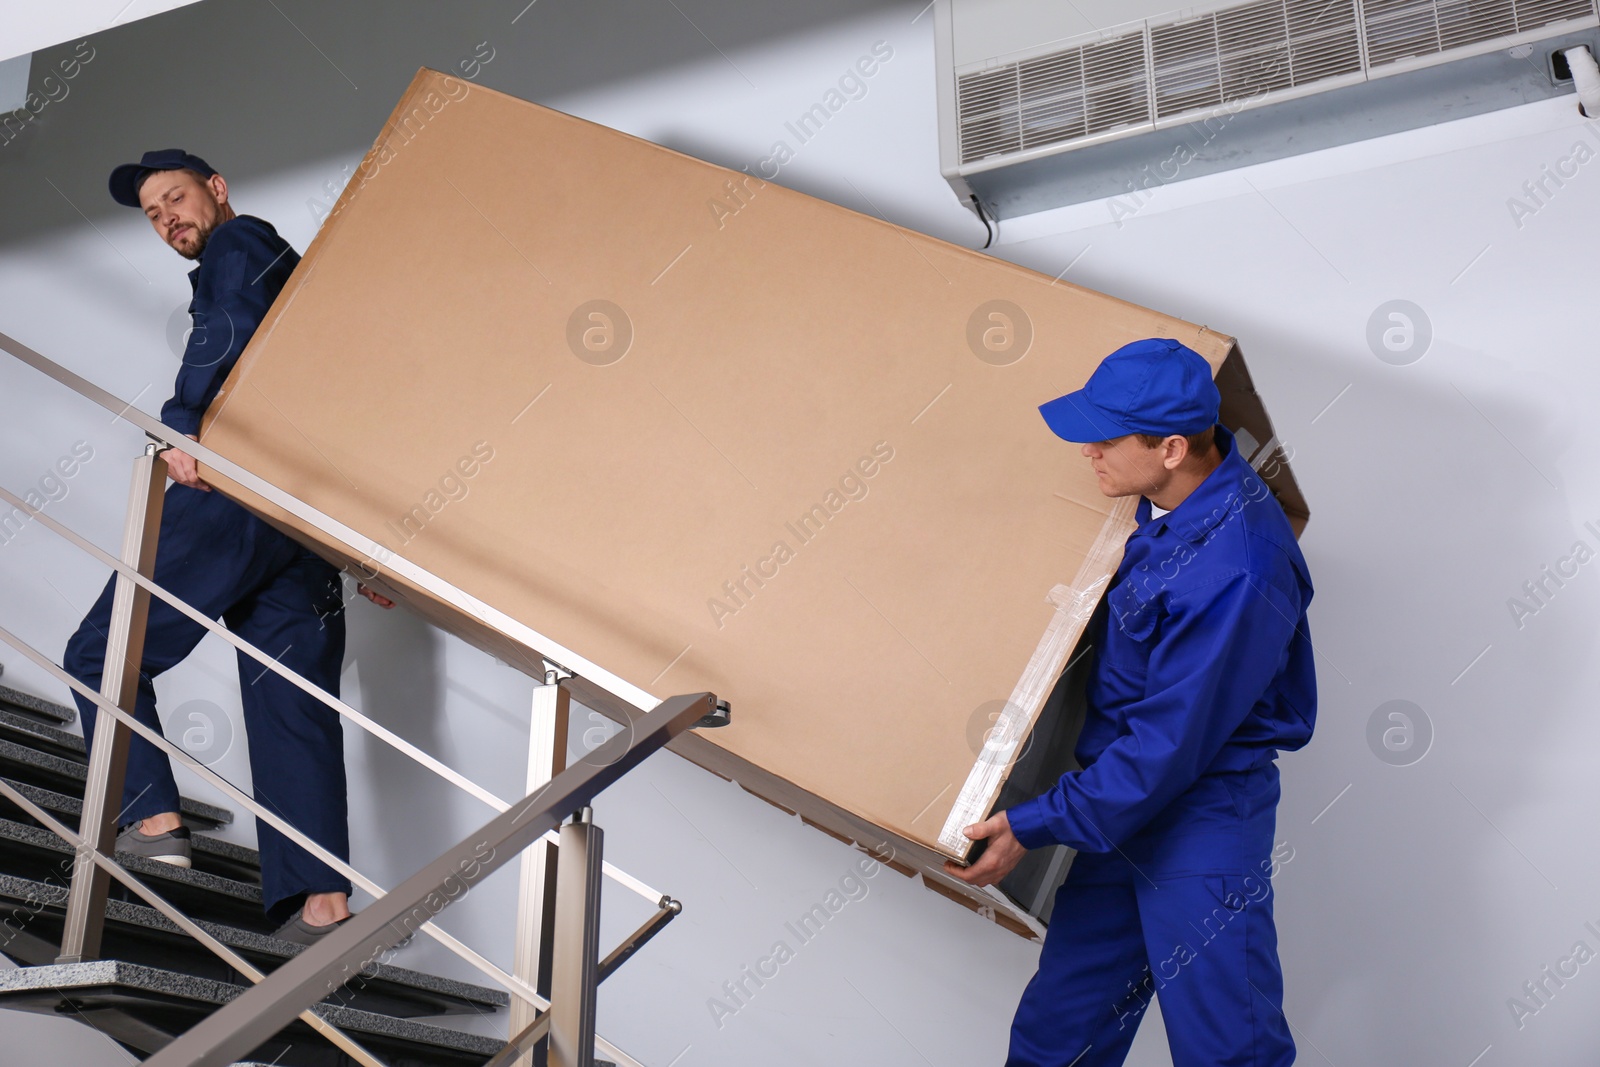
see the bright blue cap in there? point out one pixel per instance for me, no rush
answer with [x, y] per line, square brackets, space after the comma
[1154, 386]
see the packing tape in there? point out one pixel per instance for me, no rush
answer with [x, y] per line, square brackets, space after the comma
[1074, 605]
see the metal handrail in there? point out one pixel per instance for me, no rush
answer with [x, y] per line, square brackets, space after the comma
[379, 731]
[597, 677]
[526, 809]
[446, 591]
[264, 1009]
[276, 821]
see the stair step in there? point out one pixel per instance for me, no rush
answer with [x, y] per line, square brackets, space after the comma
[30, 852]
[19, 763]
[32, 913]
[216, 856]
[42, 768]
[41, 737]
[211, 854]
[144, 1007]
[36, 707]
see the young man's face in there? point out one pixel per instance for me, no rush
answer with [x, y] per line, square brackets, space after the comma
[183, 208]
[1126, 466]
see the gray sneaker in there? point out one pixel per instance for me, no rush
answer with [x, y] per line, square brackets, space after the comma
[171, 847]
[299, 932]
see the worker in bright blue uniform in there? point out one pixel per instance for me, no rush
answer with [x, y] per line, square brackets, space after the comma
[1202, 674]
[228, 564]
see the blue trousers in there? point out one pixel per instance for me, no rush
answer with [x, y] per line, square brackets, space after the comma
[1183, 913]
[286, 601]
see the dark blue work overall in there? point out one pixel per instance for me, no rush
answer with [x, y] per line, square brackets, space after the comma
[228, 564]
[1203, 673]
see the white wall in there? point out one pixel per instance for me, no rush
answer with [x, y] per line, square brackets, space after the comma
[1415, 905]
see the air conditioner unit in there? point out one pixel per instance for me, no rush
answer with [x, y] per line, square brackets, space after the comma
[1031, 119]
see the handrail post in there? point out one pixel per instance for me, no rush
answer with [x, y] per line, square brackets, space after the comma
[547, 757]
[577, 944]
[119, 683]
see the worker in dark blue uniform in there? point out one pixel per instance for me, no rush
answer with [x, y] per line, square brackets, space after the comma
[229, 564]
[1202, 674]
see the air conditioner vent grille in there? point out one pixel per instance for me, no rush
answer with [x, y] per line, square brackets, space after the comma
[1198, 63]
[1406, 29]
[1241, 52]
[1057, 97]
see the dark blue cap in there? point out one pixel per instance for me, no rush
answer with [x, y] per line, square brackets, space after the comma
[1155, 386]
[126, 178]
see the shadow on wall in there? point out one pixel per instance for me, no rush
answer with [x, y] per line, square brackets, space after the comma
[937, 220]
[257, 88]
[399, 661]
[1437, 491]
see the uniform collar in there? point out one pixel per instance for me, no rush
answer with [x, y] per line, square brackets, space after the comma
[1203, 509]
[194, 274]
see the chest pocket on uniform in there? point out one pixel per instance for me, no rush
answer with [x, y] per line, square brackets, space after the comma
[230, 272]
[1132, 618]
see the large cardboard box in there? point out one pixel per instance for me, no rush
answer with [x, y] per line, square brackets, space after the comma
[712, 434]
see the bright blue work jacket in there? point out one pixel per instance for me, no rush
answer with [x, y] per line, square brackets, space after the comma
[1203, 665]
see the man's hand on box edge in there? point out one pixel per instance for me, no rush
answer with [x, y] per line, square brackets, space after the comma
[183, 469]
[374, 596]
[999, 859]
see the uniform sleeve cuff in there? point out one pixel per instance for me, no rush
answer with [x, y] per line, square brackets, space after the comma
[1027, 824]
[182, 420]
